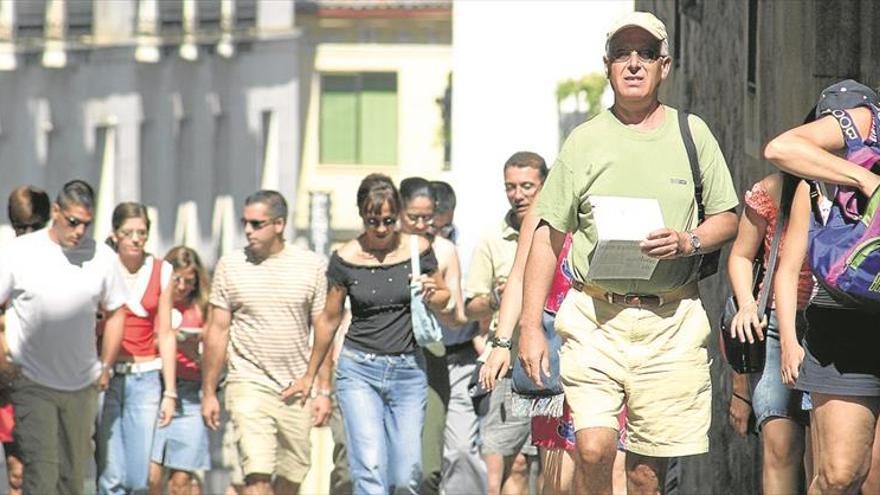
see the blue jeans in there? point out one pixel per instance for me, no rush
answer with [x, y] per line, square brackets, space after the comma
[125, 433]
[770, 397]
[382, 398]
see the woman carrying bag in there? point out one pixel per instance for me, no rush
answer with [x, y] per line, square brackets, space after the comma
[380, 384]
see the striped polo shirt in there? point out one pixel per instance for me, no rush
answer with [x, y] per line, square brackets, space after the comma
[273, 304]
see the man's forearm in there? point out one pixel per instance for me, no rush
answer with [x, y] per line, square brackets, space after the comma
[213, 358]
[112, 339]
[538, 279]
[716, 231]
[325, 372]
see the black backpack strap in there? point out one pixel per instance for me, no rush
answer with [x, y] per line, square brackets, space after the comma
[789, 186]
[694, 162]
[708, 263]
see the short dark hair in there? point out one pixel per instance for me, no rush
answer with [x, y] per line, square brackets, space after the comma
[28, 205]
[527, 159]
[415, 187]
[76, 193]
[274, 201]
[444, 196]
[375, 191]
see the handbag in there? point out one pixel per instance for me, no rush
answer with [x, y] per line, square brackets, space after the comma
[425, 326]
[528, 399]
[745, 357]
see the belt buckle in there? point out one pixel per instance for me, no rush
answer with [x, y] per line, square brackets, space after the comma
[631, 299]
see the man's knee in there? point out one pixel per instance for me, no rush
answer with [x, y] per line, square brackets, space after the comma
[781, 453]
[596, 446]
[841, 477]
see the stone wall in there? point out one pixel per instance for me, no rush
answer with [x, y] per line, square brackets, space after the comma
[801, 47]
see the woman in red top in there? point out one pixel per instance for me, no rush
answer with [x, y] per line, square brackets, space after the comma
[182, 447]
[135, 397]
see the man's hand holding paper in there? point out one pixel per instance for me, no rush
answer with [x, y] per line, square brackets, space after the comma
[664, 244]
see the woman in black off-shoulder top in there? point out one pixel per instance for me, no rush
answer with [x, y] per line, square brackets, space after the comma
[380, 385]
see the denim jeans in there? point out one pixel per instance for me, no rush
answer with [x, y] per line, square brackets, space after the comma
[125, 434]
[770, 397]
[382, 398]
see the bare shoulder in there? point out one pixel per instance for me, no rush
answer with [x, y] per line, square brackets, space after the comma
[350, 251]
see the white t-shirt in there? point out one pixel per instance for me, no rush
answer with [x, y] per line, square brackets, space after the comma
[54, 294]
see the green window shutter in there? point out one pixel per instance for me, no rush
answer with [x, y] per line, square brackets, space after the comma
[378, 119]
[339, 119]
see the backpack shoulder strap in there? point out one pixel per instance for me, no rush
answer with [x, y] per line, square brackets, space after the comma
[851, 134]
[691, 149]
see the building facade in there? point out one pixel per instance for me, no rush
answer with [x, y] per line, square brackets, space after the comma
[753, 69]
[187, 106]
[376, 79]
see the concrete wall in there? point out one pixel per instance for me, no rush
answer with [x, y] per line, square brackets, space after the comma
[802, 47]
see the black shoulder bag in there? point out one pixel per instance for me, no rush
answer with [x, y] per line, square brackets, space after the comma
[708, 263]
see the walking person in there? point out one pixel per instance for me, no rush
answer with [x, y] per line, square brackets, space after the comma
[505, 440]
[380, 377]
[136, 402]
[604, 322]
[417, 218]
[28, 211]
[55, 281]
[779, 413]
[264, 300]
[837, 363]
[463, 469]
[181, 448]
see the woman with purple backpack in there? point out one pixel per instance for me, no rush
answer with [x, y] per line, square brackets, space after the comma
[838, 362]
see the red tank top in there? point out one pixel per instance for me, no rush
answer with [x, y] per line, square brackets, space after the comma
[188, 343]
[139, 337]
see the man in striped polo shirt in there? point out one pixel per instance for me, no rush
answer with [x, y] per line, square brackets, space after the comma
[264, 299]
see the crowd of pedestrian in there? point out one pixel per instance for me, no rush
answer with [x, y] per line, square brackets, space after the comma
[532, 369]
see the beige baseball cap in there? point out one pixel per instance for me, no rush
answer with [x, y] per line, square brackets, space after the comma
[645, 20]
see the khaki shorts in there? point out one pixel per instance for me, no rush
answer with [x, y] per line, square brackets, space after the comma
[272, 436]
[653, 359]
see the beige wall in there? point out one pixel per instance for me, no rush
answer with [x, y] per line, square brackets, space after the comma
[422, 78]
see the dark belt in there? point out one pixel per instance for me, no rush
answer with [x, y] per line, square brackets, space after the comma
[632, 299]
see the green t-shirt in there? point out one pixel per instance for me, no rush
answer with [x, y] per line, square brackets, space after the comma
[604, 157]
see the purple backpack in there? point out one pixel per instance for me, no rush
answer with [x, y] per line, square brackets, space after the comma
[844, 250]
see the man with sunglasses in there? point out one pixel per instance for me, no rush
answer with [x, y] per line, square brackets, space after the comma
[636, 343]
[264, 300]
[55, 281]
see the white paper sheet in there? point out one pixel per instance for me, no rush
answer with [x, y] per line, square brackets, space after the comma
[622, 223]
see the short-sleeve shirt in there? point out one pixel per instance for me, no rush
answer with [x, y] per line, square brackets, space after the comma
[381, 321]
[605, 157]
[273, 304]
[53, 295]
[493, 257]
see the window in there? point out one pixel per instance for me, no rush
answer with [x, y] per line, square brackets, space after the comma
[79, 18]
[752, 67]
[209, 16]
[29, 19]
[358, 122]
[171, 16]
[245, 14]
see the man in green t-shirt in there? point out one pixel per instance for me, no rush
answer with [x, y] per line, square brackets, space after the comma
[631, 342]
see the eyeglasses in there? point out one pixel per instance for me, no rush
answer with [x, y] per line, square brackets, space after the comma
[131, 234]
[187, 281]
[646, 55]
[426, 219]
[374, 221]
[256, 224]
[74, 222]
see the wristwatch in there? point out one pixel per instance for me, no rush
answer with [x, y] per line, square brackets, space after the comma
[502, 342]
[696, 245]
